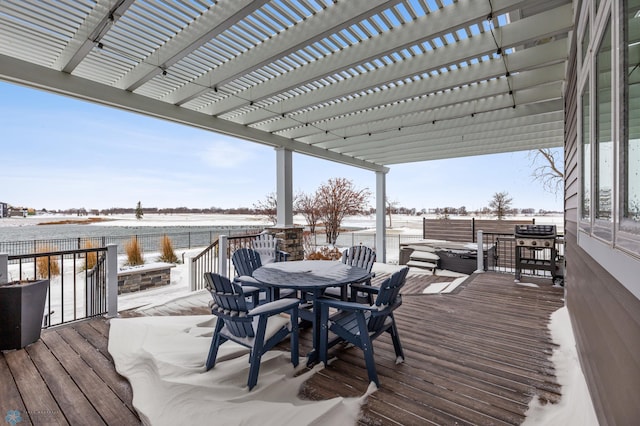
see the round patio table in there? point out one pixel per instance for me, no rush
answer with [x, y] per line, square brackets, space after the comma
[311, 277]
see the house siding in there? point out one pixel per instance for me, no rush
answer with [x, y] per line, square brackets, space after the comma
[605, 316]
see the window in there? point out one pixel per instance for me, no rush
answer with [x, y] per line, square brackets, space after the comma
[609, 109]
[632, 145]
[630, 179]
[608, 145]
[603, 185]
[586, 159]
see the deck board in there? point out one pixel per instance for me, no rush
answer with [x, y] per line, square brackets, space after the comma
[475, 356]
[72, 402]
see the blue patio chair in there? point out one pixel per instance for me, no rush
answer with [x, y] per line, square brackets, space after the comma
[258, 329]
[359, 324]
[362, 257]
[245, 261]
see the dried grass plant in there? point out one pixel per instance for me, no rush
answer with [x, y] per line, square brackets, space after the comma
[326, 253]
[134, 252]
[92, 256]
[46, 266]
[167, 254]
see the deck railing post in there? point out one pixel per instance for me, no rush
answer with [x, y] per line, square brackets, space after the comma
[480, 254]
[190, 273]
[473, 228]
[4, 268]
[112, 280]
[222, 255]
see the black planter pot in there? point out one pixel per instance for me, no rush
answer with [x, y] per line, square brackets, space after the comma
[21, 313]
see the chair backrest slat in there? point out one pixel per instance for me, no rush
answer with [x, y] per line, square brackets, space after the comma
[361, 256]
[229, 305]
[266, 245]
[388, 297]
[245, 261]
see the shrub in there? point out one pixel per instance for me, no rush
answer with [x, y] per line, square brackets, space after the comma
[167, 254]
[46, 266]
[326, 253]
[134, 252]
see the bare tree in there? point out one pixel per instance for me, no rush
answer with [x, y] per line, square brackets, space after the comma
[548, 169]
[500, 204]
[139, 212]
[391, 206]
[308, 206]
[268, 207]
[337, 199]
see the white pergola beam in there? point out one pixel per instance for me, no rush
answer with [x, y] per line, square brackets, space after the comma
[440, 23]
[93, 28]
[516, 62]
[458, 147]
[452, 112]
[28, 74]
[317, 27]
[535, 109]
[443, 138]
[471, 152]
[517, 83]
[219, 18]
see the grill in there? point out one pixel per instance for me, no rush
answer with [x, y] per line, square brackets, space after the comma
[535, 235]
[535, 249]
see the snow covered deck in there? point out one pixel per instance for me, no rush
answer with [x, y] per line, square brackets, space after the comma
[476, 355]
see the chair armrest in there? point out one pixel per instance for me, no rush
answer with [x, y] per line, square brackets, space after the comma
[366, 288]
[275, 307]
[345, 306]
[281, 256]
[247, 280]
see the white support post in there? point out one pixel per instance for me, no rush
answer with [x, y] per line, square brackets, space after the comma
[222, 255]
[190, 273]
[4, 268]
[480, 253]
[381, 232]
[284, 187]
[112, 280]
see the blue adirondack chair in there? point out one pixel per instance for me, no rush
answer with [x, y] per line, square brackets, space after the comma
[362, 257]
[245, 261]
[359, 324]
[258, 329]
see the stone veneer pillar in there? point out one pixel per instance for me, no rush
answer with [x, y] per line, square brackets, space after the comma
[291, 240]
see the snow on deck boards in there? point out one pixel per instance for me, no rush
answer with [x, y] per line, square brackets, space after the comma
[474, 356]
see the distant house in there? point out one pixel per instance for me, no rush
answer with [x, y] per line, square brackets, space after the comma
[4, 210]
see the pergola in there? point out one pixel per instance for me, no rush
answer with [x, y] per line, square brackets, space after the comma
[368, 83]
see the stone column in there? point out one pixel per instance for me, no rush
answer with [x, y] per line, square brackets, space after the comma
[291, 240]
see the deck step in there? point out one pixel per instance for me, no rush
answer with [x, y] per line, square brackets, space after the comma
[422, 264]
[424, 256]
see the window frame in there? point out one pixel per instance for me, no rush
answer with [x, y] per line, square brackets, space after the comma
[628, 229]
[619, 254]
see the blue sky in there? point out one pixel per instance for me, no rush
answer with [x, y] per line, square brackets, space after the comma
[59, 153]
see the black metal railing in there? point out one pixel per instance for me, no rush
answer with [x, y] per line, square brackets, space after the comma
[77, 281]
[501, 255]
[148, 242]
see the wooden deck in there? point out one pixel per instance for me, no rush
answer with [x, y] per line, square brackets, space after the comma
[477, 356]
